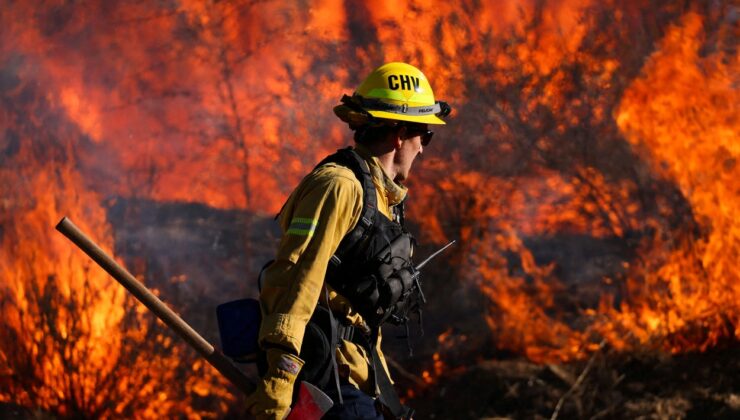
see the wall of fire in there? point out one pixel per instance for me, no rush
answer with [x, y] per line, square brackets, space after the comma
[589, 172]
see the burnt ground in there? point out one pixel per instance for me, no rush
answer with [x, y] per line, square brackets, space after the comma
[12, 411]
[635, 386]
[616, 386]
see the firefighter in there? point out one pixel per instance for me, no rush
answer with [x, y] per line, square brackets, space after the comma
[334, 253]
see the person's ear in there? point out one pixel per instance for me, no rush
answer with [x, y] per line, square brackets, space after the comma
[399, 137]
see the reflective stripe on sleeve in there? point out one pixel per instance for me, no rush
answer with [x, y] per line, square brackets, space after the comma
[302, 226]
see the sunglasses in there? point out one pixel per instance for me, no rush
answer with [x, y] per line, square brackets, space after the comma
[424, 133]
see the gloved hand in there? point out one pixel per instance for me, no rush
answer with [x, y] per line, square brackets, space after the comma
[274, 392]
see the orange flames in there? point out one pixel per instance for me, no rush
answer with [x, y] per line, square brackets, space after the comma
[589, 170]
[72, 342]
[681, 293]
[446, 341]
[683, 112]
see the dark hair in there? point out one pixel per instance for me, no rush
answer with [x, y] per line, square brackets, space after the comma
[368, 134]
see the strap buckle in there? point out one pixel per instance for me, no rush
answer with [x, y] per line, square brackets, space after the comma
[346, 332]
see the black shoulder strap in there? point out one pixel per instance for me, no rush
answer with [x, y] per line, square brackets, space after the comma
[388, 395]
[334, 343]
[350, 159]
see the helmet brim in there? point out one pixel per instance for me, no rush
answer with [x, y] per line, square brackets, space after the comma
[421, 119]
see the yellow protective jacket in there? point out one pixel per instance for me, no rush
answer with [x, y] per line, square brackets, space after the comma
[324, 207]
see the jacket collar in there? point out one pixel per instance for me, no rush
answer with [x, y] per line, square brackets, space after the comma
[394, 192]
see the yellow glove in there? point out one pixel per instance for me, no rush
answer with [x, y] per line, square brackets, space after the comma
[274, 392]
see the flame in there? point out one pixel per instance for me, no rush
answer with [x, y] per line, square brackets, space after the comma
[447, 343]
[681, 293]
[577, 122]
[227, 115]
[85, 115]
[683, 111]
[73, 343]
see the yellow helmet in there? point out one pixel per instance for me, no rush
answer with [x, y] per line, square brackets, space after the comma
[393, 91]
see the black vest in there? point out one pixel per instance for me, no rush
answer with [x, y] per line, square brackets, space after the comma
[372, 265]
[372, 268]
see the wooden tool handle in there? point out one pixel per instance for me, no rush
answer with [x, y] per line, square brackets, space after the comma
[162, 311]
